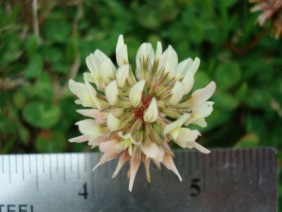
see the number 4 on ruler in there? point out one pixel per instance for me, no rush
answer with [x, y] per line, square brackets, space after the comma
[84, 193]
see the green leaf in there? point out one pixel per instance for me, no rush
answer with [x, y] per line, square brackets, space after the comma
[56, 29]
[248, 141]
[49, 141]
[227, 75]
[41, 115]
[225, 101]
[31, 45]
[44, 87]
[52, 54]
[34, 67]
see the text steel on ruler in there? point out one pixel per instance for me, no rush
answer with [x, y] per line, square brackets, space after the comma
[224, 180]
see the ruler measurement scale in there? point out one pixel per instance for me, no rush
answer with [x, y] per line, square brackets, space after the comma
[48, 175]
[252, 159]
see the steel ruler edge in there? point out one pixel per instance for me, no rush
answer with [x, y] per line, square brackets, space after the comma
[224, 180]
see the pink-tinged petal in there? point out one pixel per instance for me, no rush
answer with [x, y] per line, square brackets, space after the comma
[169, 164]
[157, 164]
[265, 15]
[105, 158]
[79, 139]
[109, 147]
[134, 166]
[147, 168]
[122, 160]
[100, 117]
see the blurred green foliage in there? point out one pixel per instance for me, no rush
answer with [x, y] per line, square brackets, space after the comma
[38, 112]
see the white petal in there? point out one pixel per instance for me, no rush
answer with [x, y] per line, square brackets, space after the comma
[107, 71]
[159, 50]
[111, 92]
[134, 166]
[120, 43]
[145, 53]
[183, 67]
[113, 123]
[85, 93]
[88, 127]
[153, 151]
[177, 93]
[151, 113]
[122, 56]
[76, 87]
[200, 122]
[178, 123]
[188, 82]
[169, 61]
[194, 67]
[92, 95]
[198, 147]
[203, 110]
[202, 95]
[135, 93]
[169, 164]
[122, 74]
[186, 136]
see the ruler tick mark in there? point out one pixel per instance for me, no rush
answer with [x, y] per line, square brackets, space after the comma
[29, 162]
[16, 158]
[57, 162]
[43, 163]
[78, 171]
[64, 168]
[36, 173]
[244, 160]
[270, 160]
[216, 163]
[2, 157]
[204, 172]
[71, 169]
[190, 164]
[85, 165]
[23, 165]
[10, 176]
[50, 166]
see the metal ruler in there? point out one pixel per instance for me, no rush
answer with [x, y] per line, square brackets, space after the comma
[225, 180]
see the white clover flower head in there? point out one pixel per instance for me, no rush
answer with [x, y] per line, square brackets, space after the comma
[133, 115]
